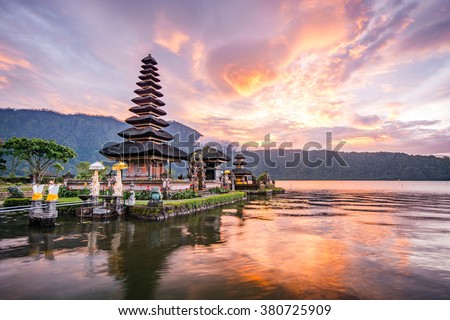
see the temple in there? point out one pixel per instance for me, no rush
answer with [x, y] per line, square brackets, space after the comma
[145, 148]
[243, 178]
[212, 159]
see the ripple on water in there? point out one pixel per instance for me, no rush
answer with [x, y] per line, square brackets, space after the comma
[311, 244]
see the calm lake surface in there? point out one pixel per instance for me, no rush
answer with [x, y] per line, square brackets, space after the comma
[320, 240]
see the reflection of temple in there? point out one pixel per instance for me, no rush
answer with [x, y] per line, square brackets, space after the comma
[243, 178]
[146, 150]
[212, 159]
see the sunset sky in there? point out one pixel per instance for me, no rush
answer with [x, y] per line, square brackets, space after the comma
[375, 73]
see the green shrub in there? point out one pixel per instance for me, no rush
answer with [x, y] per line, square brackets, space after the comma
[276, 190]
[15, 202]
[145, 211]
[219, 190]
[263, 176]
[185, 194]
[16, 179]
[142, 195]
[15, 192]
[63, 192]
[84, 192]
[188, 204]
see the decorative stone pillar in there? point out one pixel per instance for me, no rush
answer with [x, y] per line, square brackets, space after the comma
[165, 186]
[48, 216]
[36, 201]
[95, 185]
[131, 201]
[118, 187]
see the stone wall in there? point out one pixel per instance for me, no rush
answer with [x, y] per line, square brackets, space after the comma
[184, 207]
[5, 194]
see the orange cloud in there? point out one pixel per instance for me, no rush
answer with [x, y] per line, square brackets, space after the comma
[247, 79]
[246, 67]
[313, 25]
[9, 62]
[167, 35]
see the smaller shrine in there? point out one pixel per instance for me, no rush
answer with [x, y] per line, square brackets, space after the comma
[241, 177]
[212, 160]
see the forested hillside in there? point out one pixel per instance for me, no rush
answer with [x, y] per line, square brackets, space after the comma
[86, 134]
[361, 166]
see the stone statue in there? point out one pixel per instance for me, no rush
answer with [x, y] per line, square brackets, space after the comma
[95, 185]
[131, 201]
[225, 181]
[155, 197]
[155, 194]
[15, 192]
[118, 187]
[196, 167]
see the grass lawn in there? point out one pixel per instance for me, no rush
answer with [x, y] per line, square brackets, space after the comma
[71, 199]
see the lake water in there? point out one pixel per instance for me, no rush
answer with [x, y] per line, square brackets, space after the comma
[320, 240]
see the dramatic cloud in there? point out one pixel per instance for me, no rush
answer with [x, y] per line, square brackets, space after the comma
[373, 73]
[167, 35]
[245, 67]
[369, 120]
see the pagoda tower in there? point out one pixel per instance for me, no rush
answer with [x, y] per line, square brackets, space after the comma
[242, 175]
[146, 149]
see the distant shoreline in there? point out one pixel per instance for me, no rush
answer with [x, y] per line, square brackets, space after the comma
[417, 180]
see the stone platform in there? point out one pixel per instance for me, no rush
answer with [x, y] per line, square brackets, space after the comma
[43, 217]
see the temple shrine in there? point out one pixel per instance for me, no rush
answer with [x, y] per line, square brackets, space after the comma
[212, 159]
[243, 178]
[145, 148]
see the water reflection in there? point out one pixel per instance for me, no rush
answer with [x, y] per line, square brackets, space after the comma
[306, 244]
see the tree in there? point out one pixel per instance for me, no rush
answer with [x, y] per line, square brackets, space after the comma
[102, 173]
[2, 161]
[59, 168]
[9, 150]
[39, 154]
[83, 170]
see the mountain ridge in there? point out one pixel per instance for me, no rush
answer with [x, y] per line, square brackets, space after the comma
[87, 134]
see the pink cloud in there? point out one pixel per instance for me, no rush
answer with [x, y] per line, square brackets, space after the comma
[9, 62]
[237, 70]
[366, 120]
[3, 82]
[168, 35]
